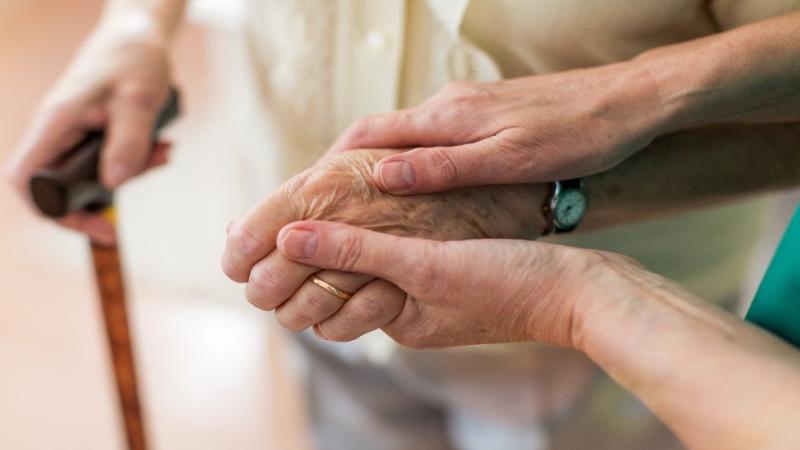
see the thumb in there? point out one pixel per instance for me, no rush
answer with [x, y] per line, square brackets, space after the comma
[436, 169]
[336, 246]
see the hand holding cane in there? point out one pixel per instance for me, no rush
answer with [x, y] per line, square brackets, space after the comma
[72, 184]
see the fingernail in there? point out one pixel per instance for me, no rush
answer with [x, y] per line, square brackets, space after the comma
[300, 243]
[117, 173]
[397, 176]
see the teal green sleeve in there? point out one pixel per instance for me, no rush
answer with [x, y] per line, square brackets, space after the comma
[776, 306]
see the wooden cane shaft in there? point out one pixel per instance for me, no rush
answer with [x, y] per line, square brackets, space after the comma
[108, 272]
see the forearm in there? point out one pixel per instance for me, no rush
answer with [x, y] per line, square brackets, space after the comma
[718, 382]
[694, 169]
[159, 17]
[676, 174]
[747, 75]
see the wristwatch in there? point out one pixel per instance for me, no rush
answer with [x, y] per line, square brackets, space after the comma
[565, 207]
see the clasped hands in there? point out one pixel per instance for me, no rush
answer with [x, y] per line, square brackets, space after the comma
[416, 279]
[263, 250]
[431, 270]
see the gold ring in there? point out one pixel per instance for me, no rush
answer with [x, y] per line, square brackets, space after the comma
[331, 289]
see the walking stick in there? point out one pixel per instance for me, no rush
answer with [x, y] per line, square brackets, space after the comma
[72, 185]
[110, 286]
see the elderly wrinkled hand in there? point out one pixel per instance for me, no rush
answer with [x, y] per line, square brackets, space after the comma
[341, 189]
[118, 81]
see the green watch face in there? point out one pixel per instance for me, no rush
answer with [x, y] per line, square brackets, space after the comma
[570, 209]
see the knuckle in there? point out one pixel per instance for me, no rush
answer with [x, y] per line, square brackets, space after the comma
[445, 114]
[306, 311]
[300, 190]
[362, 125]
[139, 95]
[435, 113]
[292, 321]
[465, 92]
[130, 151]
[265, 278]
[261, 287]
[457, 87]
[295, 185]
[444, 167]
[358, 131]
[349, 253]
[369, 309]
[313, 304]
[425, 274]
[242, 242]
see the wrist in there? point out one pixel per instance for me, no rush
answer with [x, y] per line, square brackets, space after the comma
[525, 205]
[632, 98]
[612, 297]
[578, 305]
[689, 79]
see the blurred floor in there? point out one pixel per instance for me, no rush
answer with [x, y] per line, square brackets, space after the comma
[210, 368]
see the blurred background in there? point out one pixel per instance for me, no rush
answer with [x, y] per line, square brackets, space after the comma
[213, 373]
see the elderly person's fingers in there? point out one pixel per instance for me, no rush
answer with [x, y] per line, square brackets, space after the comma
[274, 279]
[343, 190]
[98, 227]
[112, 80]
[252, 238]
[279, 283]
[282, 284]
[62, 121]
[159, 154]
[312, 304]
[372, 307]
[54, 130]
[132, 116]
